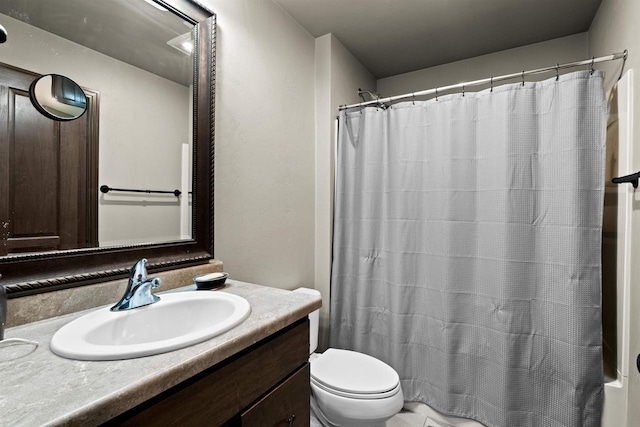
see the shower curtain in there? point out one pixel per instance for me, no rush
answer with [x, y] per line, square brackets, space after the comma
[466, 252]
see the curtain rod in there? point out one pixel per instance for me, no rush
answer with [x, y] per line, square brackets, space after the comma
[492, 80]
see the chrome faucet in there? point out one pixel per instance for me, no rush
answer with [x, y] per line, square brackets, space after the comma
[138, 291]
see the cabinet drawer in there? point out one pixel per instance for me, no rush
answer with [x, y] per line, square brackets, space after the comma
[286, 405]
[220, 393]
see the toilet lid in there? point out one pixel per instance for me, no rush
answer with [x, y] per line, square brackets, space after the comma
[352, 372]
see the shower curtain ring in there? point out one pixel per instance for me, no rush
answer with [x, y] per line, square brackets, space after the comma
[557, 71]
[436, 94]
[624, 61]
[413, 96]
[522, 77]
[463, 90]
[592, 61]
[491, 84]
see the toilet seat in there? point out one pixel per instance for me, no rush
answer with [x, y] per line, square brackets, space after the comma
[354, 375]
[341, 393]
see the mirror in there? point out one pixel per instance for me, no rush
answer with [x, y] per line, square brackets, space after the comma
[148, 125]
[135, 62]
[58, 97]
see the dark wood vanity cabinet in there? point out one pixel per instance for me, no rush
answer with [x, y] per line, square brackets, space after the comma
[282, 406]
[265, 385]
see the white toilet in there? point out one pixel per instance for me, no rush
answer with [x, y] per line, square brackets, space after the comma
[350, 388]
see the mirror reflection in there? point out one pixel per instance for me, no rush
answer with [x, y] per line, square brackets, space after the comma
[134, 62]
[58, 97]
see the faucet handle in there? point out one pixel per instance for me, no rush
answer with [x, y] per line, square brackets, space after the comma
[155, 283]
[138, 291]
[139, 271]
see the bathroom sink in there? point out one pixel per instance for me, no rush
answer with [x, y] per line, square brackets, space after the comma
[178, 320]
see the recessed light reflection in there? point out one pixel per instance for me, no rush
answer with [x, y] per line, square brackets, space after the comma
[184, 43]
[188, 46]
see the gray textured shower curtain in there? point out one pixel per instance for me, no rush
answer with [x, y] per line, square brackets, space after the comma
[467, 249]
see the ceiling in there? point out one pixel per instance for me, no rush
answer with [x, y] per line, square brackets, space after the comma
[392, 37]
[130, 31]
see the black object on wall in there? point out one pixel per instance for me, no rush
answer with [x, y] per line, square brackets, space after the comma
[631, 179]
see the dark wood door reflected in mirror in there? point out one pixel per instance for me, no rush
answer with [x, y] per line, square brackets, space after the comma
[47, 202]
[62, 232]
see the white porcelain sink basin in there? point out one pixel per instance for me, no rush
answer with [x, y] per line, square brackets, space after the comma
[178, 320]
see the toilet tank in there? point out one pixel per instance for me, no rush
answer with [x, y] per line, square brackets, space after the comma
[314, 317]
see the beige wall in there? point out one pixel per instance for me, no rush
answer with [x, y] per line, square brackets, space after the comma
[565, 49]
[614, 29]
[264, 165]
[338, 76]
[136, 150]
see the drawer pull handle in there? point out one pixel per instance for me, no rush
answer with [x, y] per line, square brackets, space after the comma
[291, 419]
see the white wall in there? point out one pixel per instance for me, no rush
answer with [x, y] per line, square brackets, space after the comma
[565, 49]
[614, 29]
[264, 165]
[338, 76]
[143, 121]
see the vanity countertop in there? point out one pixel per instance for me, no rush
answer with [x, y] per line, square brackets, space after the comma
[41, 388]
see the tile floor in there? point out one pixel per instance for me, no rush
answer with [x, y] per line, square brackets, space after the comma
[420, 415]
[408, 419]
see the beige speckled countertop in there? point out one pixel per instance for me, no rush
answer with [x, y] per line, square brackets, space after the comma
[41, 388]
